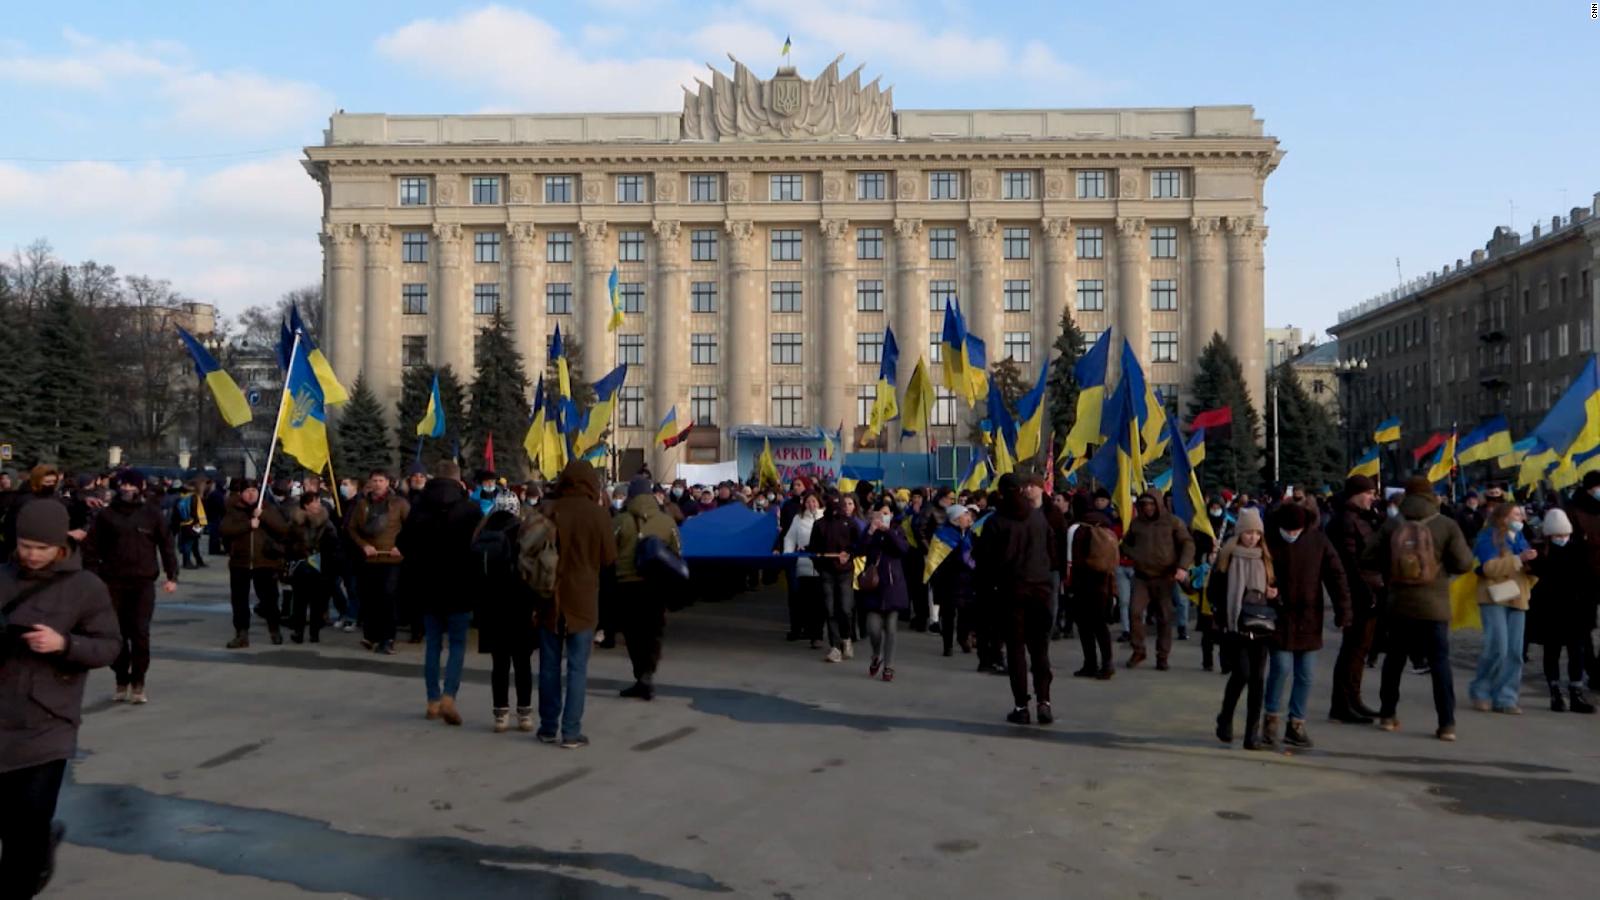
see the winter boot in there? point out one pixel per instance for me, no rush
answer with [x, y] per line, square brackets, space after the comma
[1580, 702]
[1269, 730]
[1295, 735]
[1558, 703]
[524, 718]
[448, 711]
[502, 719]
[241, 640]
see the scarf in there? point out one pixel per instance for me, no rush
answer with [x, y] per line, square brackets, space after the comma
[1247, 569]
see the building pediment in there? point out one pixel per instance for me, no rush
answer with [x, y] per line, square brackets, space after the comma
[787, 107]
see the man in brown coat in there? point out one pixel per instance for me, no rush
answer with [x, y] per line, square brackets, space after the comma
[587, 545]
[1305, 564]
[60, 625]
[1162, 550]
[255, 556]
[374, 527]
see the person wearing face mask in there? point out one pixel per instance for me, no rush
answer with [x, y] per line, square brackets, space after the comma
[488, 488]
[128, 546]
[1562, 612]
[1350, 530]
[1503, 555]
[805, 595]
[1161, 550]
[346, 597]
[1014, 560]
[885, 548]
[44, 482]
[1583, 511]
[313, 551]
[1305, 565]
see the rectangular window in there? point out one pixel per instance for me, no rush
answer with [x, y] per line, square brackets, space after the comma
[786, 296]
[1092, 184]
[704, 188]
[1163, 346]
[486, 246]
[413, 350]
[1016, 185]
[1585, 335]
[786, 245]
[414, 299]
[944, 185]
[941, 294]
[703, 297]
[1562, 297]
[936, 347]
[485, 190]
[941, 243]
[786, 348]
[869, 295]
[631, 293]
[558, 247]
[558, 298]
[414, 191]
[1091, 242]
[1527, 396]
[1164, 294]
[1544, 295]
[485, 298]
[630, 349]
[787, 399]
[703, 349]
[1169, 395]
[630, 188]
[1017, 243]
[1019, 346]
[630, 406]
[703, 245]
[1544, 345]
[703, 405]
[872, 186]
[869, 348]
[869, 243]
[630, 246]
[944, 407]
[1164, 242]
[413, 246]
[558, 188]
[1166, 184]
[1562, 340]
[788, 188]
[1018, 295]
[1091, 294]
[866, 398]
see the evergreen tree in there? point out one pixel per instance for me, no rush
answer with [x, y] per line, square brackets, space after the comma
[414, 391]
[1008, 377]
[1063, 384]
[499, 401]
[363, 439]
[1232, 461]
[71, 415]
[1308, 452]
[19, 413]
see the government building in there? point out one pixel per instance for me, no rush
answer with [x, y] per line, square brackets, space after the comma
[767, 233]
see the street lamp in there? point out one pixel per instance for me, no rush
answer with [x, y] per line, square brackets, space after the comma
[1348, 372]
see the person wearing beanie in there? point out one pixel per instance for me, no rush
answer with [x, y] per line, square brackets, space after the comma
[374, 525]
[1243, 575]
[487, 489]
[1161, 550]
[254, 530]
[44, 481]
[128, 546]
[1353, 523]
[1013, 571]
[1417, 569]
[1307, 569]
[1563, 612]
[640, 596]
[1091, 592]
[60, 625]
[435, 545]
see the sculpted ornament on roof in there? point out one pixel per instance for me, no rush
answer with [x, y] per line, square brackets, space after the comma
[787, 106]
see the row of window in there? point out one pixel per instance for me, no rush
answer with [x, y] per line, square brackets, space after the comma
[705, 187]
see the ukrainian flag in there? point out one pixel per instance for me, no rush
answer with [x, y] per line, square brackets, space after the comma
[1388, 431]
[1196, 447]
[919, 402]
[614, 292]
[594, 454]
[977, 474]
[302, 420]
[977, 365]
[332, 391]
[884, 407]
[1002, 431]
[1444, 460]
[1367, 465]
[787, 45]
[1574, 422]
[1148, 408]
[565, 415]
[1030, 412]
[1188, 503]
[947, 539]
[1487, 441]
[1090, 374]
[533, 441]
[953, 350]
[230, 400]
[1519, 452]
[1119, 463]
[432, 424]
[827, 442]
[1162, 482]
[668, 426]
[598, 419]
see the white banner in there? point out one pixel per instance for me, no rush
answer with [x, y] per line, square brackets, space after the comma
[708, 474]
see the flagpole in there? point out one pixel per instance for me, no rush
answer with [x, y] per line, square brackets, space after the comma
[283, 401]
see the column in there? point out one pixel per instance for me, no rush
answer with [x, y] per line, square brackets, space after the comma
[836, 364]
[526, 312]
[1133, 308]
[1206, 301]
[1058, 259]
[380, 338]
[1246, 308]
[344, 299]
[594, 303]
[449, 319]
[667, 380]
[744, 341]
[982, 303]
[912, 317]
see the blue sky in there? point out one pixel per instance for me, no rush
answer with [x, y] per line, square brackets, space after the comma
[164, 137]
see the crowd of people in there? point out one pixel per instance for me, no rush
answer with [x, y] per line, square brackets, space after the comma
[563, 568]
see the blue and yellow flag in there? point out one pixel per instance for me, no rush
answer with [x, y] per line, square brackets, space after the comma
[1030, 416]
[954, 347]
[285, 344]
[919, 402]
[1002, 431]
[668, 426]
[977, 365]
[977, 474]
[1090, 374]
[614, 292]
[1519, 452]
[1148, 408]
[565, 416]
[432, 424]
[333, 393]
[302, 420]
[1573, 424]
[1188, 503]
[1489, 440]
[1444, 460]
[1196, 447]
[827, 441]
[947, 539]
[884, 407]
[533, 441]
[594, 454]
[1387, 432]
[1367, 465]
[1162, 482]
[231, 403]
[598, 419]
[788, 44]
[1118, 463]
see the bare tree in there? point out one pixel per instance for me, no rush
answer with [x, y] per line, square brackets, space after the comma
[259, 325]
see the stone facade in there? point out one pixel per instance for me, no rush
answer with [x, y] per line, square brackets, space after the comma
[770, 232]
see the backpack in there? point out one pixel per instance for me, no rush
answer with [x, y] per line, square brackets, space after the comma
[1104, 553]
[539, 553]
[496, 553]
[1413, 561]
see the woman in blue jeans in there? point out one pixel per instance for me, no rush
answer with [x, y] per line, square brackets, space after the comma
[1503, 591]
[1304, 563]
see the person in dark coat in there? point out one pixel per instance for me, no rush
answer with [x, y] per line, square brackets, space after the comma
[60, 626]
[1243, 575]
[1563, 612]
[1161, 550]
[255, 557]
[1013, 556]
[832, 546]
[128, 545]
[315, 553]
[1303, 563]
[1351, 527]
[886, 548]
[437, 545]
[1583, 511]
[215, 503]
[1090, 594]
[505, 612]
[642, 595]
[952, 581]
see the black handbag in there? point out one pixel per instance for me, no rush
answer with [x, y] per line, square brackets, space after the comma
[653, 557]
[1257, 617]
